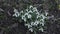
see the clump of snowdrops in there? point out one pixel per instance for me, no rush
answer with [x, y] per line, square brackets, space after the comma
[33, 18]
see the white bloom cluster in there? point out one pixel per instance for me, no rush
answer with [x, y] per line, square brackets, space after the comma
[16, 13]
[32, 17]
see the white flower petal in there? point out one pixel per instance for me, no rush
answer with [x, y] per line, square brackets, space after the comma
[25, 19]
[29, 16]
[15, 10]
[31, 29]
[31, 6]
[35, 9]
[21, 11]
[41, 29]
[26, 14]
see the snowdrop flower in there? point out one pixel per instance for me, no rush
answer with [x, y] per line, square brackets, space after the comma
[29, 26]
[46, 13]
[31, 29]
[32, 23]
[26, 14]
[30, 11]
[37, 13]
[38, 16]
[21, 11]
[29, 16]
[23, 16]
[41, 20]
[15, 10]
[24, 19]
[26, 24]
[42, 23]
[27, 10]
[41, 29]
[43, 16]
[16, 13]
[35, 9]
[36, 23]
[31, 6]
